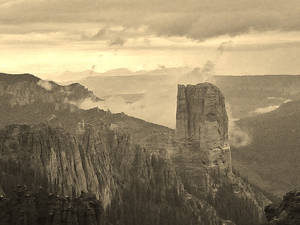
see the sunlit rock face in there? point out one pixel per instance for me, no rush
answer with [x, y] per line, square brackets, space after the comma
[202, 123]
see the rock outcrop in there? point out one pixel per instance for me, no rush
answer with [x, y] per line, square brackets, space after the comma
[203, 159]
[41, 155]
[24, 89]
[202, 123]
[287, 213]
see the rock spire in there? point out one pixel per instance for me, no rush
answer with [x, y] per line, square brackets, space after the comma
[202, 123]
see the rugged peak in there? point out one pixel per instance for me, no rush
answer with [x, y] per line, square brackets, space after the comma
[198, 104]
[24, 89]
[202, 122]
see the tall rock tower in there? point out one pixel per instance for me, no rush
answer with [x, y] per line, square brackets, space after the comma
[202, 124]
[202, 154]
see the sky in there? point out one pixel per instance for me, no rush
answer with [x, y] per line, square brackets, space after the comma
[48, 37]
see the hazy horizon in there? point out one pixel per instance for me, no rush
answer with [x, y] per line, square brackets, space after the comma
[70, 76]
[240, 37]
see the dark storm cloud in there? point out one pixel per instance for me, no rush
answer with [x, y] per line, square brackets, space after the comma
[196, 19]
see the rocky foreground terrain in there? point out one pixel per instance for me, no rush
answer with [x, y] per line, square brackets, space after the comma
[287, 212]
[114, 168]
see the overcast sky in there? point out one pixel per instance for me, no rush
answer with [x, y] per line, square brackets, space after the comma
[239, 36]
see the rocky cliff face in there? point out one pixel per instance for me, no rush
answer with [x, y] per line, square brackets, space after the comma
[202, 123]
[133, 186]
[37, 155]
[202, 155]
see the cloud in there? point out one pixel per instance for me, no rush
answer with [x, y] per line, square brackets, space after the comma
[195, 19]
[261, 45]
[223, 45]
[87, 103]
[45, 84]
[266, 109]
[118, 41]
[271, 108]
[207, 72]
[100, 34]
[200, 74]
[237, 136]
[156, 107]
[157, 104]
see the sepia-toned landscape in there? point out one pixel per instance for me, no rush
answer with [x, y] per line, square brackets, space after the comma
[135, 112]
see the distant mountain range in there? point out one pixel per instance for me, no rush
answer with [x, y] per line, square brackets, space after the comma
[245, 95]
[250, 95]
